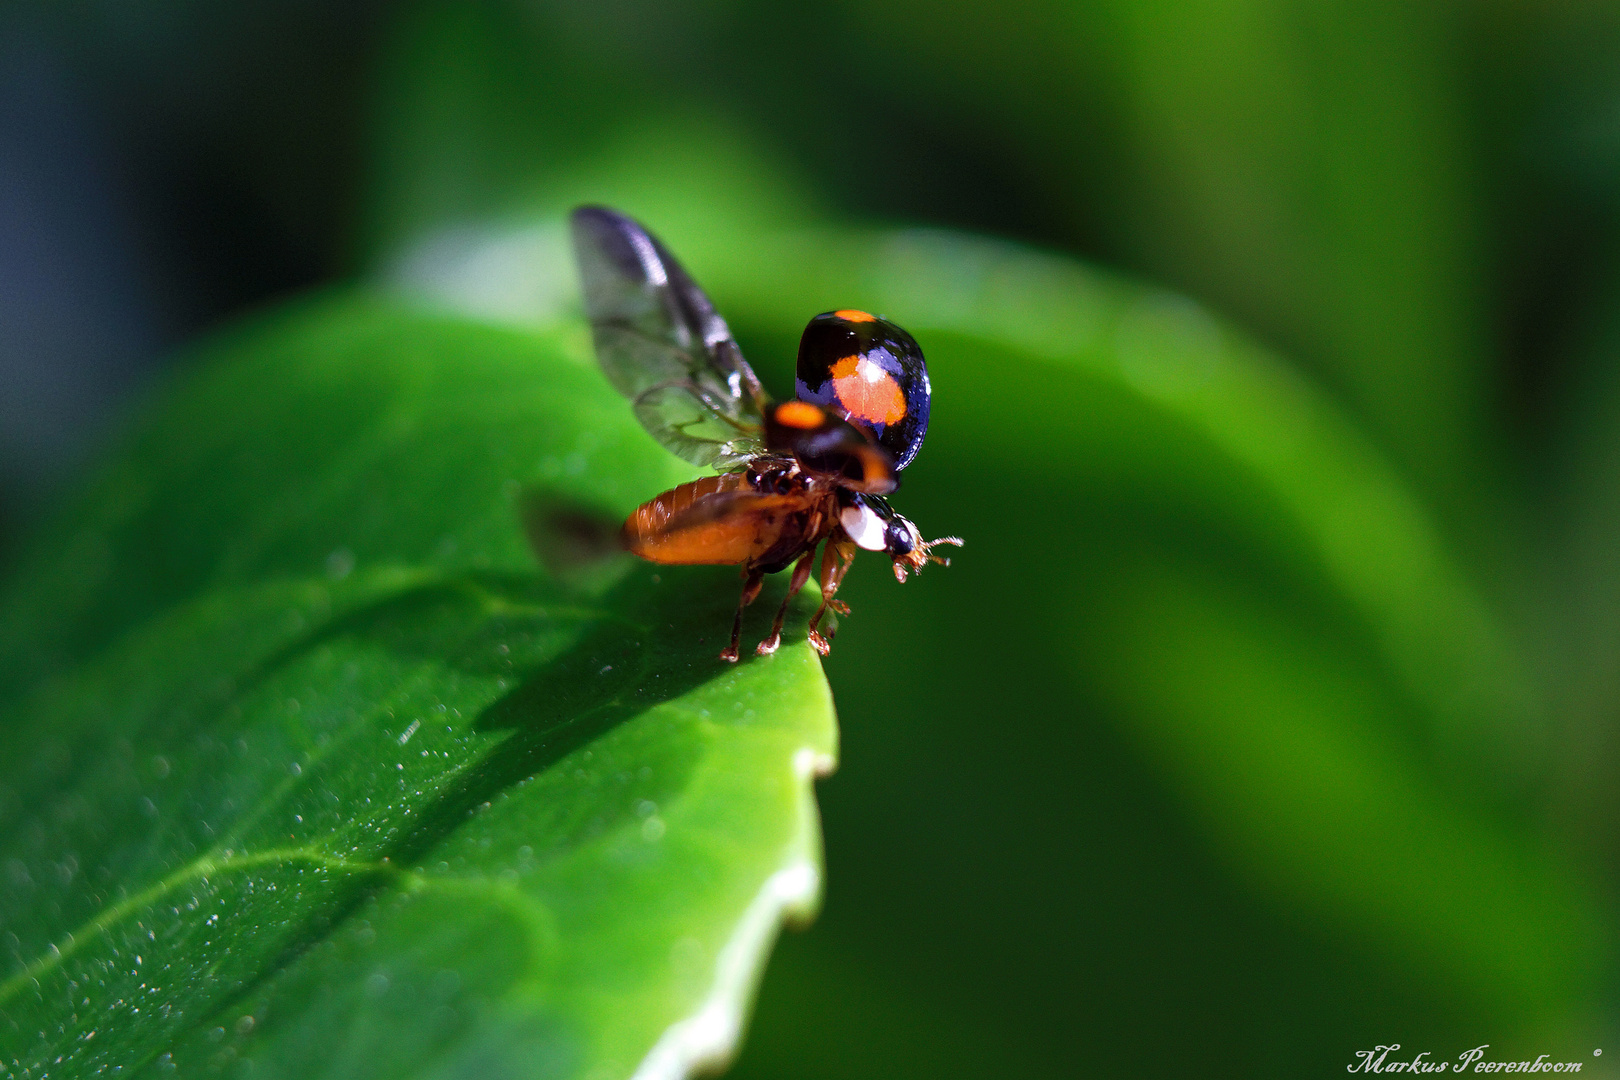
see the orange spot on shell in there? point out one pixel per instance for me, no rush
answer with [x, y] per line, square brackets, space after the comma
[867, 392]
[800, 414]
[851, 315]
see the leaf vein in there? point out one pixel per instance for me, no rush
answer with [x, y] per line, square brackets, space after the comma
[199, 869]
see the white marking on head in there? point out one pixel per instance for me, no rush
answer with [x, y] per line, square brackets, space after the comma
[863, 526]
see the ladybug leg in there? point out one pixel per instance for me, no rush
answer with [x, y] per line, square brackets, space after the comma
[750, 590]
[816, 640]
[801, 574]
[835, 563]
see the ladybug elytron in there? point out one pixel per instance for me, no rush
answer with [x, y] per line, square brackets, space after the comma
[792, 475]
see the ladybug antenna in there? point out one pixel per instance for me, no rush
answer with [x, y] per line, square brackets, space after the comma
[955, 541]
[920, 556]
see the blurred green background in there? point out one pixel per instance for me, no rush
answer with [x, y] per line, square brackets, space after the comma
[1270, 713]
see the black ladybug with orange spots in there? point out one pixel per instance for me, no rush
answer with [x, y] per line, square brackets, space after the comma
[792, 475]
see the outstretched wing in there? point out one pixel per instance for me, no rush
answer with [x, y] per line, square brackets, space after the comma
[663, 346]
[718, 520]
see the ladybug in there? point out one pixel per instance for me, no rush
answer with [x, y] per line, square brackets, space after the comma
[792, 476]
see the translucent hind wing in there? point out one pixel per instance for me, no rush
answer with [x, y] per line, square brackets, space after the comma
[662, 345]
[691, 425]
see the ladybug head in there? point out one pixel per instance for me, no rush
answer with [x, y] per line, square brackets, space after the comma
[873, 524]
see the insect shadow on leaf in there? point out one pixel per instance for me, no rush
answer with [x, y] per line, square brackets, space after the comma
[575, 541]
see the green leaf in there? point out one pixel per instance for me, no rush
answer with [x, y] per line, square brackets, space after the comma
[309, 765]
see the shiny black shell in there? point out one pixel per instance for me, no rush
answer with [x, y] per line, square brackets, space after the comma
[871, 372]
